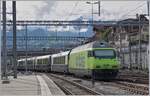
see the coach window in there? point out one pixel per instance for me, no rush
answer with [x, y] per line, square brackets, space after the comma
[62, 60]
[55, 60]
[21, 63]
[39, 61]
[28, 62]
[45, 61]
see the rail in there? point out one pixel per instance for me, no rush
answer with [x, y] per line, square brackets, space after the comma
[88, 90]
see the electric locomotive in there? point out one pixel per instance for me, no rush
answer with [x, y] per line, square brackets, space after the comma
[94, 59]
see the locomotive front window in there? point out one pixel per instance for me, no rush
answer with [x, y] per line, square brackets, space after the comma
[104, 53]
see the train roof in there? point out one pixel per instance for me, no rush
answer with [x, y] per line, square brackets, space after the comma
[60, 54]
[21, 60]
[27, 59]
[38, 57]
[45, 56]
[89, 46]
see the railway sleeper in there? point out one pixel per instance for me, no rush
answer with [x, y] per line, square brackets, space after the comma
[80, 86]
[133, 90]
[134, 86]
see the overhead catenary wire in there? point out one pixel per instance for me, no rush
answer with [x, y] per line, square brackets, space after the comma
[127, 13]
[76, 4]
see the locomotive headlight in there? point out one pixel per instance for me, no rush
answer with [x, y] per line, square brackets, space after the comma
[102, 44]
[98, 66]
[114, 66]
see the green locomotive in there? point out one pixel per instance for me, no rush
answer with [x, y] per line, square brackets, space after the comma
[94, 58]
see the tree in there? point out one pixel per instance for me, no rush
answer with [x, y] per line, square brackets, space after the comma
[102, 34]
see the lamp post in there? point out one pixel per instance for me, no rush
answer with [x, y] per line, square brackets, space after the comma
[148, 2]
[93, 72]
[92, 7]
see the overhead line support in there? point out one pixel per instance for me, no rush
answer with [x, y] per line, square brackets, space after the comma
[4, 50]
[14, 39]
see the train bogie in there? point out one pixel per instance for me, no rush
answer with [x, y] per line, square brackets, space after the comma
[59, 68]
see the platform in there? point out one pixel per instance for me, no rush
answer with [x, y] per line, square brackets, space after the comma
[30, 85]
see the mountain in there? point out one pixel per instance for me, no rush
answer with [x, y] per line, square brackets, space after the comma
[72, 31]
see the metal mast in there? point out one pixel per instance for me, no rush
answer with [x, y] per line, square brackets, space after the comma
[26, 65]
[4, 50]
[14, 39]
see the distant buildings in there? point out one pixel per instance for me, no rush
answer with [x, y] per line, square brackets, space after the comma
[124, 31]
[130, 31]
[131, 38]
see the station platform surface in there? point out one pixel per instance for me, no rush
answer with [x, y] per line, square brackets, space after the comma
[30, 85]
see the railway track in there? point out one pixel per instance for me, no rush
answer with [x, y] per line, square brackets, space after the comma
[133, 79]
[72, 88]
[133, 88]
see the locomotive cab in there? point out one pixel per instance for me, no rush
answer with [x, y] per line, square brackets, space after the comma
[103, 62]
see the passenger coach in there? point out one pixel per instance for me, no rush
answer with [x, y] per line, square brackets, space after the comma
[60, 62]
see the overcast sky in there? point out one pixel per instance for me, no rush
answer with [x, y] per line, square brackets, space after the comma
[69, 10]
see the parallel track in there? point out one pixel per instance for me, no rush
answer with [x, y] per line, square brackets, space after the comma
[133, 79]
[82, 90]
[133, 88]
